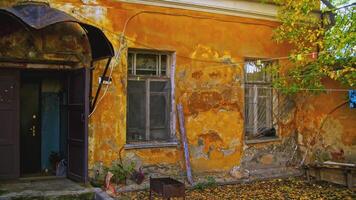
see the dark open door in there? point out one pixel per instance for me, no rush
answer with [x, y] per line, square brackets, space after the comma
[30, 125]
[78, 111]
[9, 124]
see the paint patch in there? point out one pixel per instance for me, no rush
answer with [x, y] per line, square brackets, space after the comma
[197, 74]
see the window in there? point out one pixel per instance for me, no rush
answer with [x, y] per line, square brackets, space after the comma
[258, 100]
[148, 96]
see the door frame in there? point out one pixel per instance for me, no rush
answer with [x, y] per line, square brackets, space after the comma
[87, 92]
[85, 118]
[87, 103]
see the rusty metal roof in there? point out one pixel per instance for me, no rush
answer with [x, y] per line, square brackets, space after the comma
[40, 15]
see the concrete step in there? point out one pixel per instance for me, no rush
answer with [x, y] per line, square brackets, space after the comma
[57, 189]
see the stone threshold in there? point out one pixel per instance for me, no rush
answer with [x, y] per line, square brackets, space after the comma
[59, 189]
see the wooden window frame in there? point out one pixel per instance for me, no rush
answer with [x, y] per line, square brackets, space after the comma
[158, 55]
[169, 78]
[270, 107]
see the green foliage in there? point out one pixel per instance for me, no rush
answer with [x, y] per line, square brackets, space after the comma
[302, 27]
[210, 182]
[122, 171]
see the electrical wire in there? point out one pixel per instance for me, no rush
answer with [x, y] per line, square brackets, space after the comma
[122, 38]
[233, 64]
[221, 63]
[117, 57]
[346, 6]
[319, 130]
[246, 85]
[305, 89]
[154, 48]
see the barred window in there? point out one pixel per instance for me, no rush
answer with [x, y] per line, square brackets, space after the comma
[258, 100]
[148, 96]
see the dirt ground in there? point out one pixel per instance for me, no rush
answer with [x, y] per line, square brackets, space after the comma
[293, 188]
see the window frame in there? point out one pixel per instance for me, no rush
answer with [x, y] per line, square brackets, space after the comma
[272, 102]
[170, 110]
[159, 54]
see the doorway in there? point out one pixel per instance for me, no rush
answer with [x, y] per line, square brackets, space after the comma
[44, 116]
[43, 130]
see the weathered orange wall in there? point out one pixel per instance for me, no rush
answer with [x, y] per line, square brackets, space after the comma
[327, 126]
[211, 92]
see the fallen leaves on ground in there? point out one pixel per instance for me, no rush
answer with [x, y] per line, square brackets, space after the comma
[285, 189]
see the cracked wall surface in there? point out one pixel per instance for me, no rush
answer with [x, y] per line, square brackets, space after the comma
[207, 83]
[327, 126]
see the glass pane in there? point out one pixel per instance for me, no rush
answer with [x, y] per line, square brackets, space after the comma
[262, 109]
[130, 62]
[159, 117]
[265, 91]
[146, 64]
[249, 114]
[254, 72]
[249, 90]
[158, 111]
[163, 65]
[159, 86]
[258, 110]
[262, 91]
[136, 111]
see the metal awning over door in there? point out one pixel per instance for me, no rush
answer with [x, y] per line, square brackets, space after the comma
[40, 15]
[36, 16]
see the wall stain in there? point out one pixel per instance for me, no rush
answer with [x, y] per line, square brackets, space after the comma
[212, 94]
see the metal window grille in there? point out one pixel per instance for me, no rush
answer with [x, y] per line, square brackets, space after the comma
[258, 100]
[148, 97]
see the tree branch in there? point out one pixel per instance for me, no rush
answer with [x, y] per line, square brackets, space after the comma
[331, 14]
[328, 4]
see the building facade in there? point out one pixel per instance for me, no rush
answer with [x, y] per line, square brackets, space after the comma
[207, 56]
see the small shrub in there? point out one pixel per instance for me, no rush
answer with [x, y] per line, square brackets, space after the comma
[122, 172]
[210, 182]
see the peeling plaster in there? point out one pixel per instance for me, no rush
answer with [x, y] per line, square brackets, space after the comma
[210, 92]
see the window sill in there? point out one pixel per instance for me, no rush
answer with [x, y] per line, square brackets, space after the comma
[149, 145]
[263, 140]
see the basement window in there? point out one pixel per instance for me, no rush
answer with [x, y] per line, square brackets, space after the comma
[148, 97]
[258, 101]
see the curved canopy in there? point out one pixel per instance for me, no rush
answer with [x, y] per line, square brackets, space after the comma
[40, 15]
